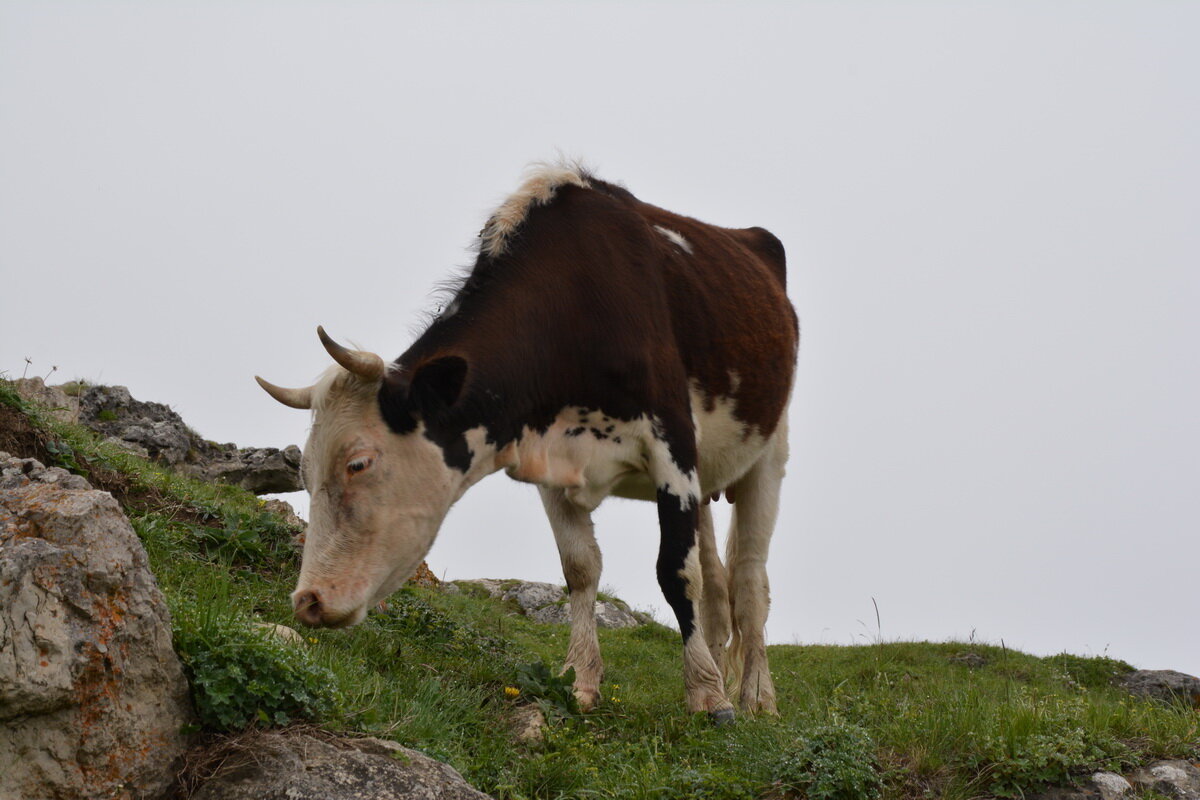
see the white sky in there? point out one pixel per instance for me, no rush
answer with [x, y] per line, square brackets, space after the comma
[990, 211]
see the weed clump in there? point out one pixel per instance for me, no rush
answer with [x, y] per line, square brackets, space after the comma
[553, 692]
[243, 676]
[835, 761]
[1044, 743]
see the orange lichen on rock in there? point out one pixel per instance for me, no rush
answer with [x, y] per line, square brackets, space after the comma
[424, 577]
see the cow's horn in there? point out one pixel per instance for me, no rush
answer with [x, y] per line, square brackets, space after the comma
[295, 398]
[367, 366]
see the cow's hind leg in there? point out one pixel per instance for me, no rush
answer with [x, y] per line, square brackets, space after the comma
[754, 516]
[714, 603]
[581, 563]
[673, 468]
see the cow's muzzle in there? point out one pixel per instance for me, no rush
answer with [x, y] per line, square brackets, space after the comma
[311, 610]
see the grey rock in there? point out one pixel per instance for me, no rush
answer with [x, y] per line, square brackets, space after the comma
[1162, 684]
[153, 427]
[92, 696]
[1111, 786]
[548, 604]
[16, 472]
[154, 431]
[273, 766]
[261, 470]
[1177, 779]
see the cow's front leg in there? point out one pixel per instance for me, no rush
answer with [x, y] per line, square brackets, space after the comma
[714, 615]
[581, 563]
[679, 576]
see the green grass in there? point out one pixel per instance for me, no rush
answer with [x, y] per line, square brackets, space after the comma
[891, 719]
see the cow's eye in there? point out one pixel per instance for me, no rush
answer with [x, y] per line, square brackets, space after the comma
[358, 464]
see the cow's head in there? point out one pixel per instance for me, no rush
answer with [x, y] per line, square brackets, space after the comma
[378, 496]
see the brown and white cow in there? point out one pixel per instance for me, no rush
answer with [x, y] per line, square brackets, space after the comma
[600, 345]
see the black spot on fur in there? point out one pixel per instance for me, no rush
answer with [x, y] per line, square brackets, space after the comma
[575, 431]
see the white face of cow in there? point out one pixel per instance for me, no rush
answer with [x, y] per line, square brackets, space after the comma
[378, 498]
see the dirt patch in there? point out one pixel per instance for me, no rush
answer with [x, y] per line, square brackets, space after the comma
[18, 436]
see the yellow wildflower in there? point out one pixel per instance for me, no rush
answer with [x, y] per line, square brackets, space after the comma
[511, 691]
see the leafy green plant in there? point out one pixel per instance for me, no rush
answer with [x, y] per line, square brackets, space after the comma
[416, 621]
[835, 761]
[242, 676]
[64, 455]
[554, 693]
[243, 539]
[10, 397]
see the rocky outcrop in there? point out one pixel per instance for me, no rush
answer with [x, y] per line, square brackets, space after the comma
[276, 766]
[547, 603]
[1174, 779]
[154, 431]
[1177, 779]
[1162, 684]
[92, 696]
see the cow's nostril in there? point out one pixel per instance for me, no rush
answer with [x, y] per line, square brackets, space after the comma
[308, 608]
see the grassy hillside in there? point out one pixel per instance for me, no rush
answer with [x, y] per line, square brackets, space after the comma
[445, 674]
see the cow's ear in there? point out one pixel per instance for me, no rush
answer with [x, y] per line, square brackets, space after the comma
[437, 384]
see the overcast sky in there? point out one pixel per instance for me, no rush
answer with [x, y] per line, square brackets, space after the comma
[990, 211]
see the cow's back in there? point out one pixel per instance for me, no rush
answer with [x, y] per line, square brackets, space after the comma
[736, 329]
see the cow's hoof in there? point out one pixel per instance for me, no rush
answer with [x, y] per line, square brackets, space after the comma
[722, 717]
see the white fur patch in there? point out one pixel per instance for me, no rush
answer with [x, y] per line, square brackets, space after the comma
[676, 238]
[591, 456]
[583, 452]
[727, 447]
[542, 180]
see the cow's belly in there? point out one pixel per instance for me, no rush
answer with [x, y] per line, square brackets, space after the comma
[592, 456]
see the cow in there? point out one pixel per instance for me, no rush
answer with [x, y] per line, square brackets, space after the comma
[599, 346]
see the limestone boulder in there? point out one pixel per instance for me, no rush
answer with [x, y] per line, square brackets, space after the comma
[548, 603]
[1163, 684]
[277, 766]
[93, 701]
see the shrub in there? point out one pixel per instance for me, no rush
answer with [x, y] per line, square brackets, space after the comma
[833, 762]
[241, 675]
[1093, 673]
